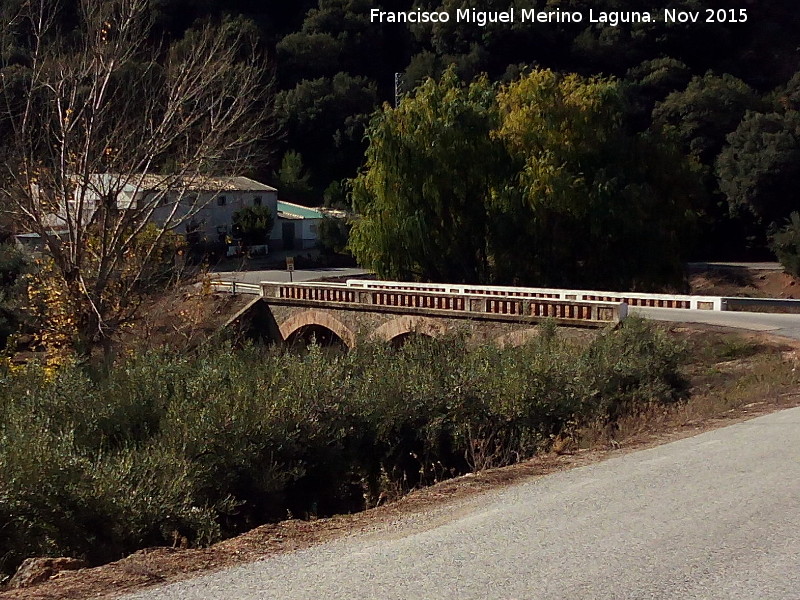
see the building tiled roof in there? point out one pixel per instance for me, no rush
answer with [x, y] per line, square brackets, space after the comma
[199, 183]
[244, 184]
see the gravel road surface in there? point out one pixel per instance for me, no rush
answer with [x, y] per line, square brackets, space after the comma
[282, 275]
[716, 516]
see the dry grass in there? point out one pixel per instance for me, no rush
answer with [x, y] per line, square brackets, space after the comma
[741, 281]
[731, 376]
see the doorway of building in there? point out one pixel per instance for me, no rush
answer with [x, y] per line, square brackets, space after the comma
[287, 233]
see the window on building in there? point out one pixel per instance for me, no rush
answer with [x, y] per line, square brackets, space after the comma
[222, 201]
[257, 201]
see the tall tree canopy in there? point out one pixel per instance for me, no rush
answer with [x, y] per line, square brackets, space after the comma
[759, 170]
[538, 182]
[591, 189]
[430, 166]
[705, 112]
[334, 68]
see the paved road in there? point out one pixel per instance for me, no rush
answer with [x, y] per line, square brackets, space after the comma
[754, 266]
[716, 516]
[786, 325]
[281, 276]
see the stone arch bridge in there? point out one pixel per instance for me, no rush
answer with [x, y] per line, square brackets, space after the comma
[341, 313]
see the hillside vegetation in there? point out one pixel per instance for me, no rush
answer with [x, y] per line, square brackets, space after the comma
[727, 91]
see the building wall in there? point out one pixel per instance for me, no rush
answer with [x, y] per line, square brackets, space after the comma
[305, 233]
[276, 236]
[310, 232]
[215, 218]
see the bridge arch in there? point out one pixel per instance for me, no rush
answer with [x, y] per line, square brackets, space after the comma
[317, 318]
[408, 325]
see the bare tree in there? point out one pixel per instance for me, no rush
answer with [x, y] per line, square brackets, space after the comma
[104, 129]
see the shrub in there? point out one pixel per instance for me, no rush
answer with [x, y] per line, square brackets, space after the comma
[75, 480]
[629, 369]
[165, 448]
[785, 243]
[12, 266]
[253, 224]
[333, 235]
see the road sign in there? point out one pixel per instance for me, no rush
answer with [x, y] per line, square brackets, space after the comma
[290, 263]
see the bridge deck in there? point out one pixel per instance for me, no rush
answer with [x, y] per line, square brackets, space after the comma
[630, 298]
[445, 303]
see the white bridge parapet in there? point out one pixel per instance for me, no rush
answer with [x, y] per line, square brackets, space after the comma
[446, 303]
[629, 298]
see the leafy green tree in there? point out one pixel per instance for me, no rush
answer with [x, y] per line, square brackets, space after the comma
[254, 224]
[422, 194]
[335, 36]
[593, 204]
[539, 183]
[293, 178]
[325, 119]
[650, 83]
[333, 235]
[700, 116]
[335, 195]
[423, 65]
[788, 96]
[310, 54]
[759, 170]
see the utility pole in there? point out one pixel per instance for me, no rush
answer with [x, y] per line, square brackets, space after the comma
[398, 85]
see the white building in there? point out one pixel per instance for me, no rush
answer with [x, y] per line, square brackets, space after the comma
[202, 204]
[297, 226]
[217, 206]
